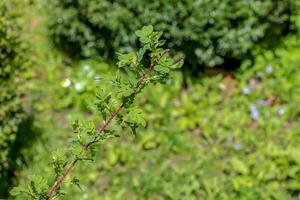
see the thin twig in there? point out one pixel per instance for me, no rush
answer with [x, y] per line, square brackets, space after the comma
[61, 178]
[70, 167]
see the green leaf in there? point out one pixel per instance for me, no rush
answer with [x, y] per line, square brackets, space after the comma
[166, 62]
[58, 154]
[239, 166]
[77, 150]
[178, 64]
[39, 185]
[142, 122]
[75, 125]
[76, 181]
[17, 191]
[134, 118]
[110, 133]
[89, 128]
[125, 91]
[133, 128]
[142, 51]
[161, 69]
[127, 59]
[145, 31]
[144, 34]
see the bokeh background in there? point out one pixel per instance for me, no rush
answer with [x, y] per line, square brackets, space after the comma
[226, 126]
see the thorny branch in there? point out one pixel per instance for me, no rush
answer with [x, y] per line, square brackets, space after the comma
[70, 167]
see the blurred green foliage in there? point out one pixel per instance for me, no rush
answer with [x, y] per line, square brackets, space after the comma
[208, 33]
[200, 142]
[230, 136]
[13, 63]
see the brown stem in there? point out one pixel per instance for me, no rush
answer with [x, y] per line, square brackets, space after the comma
[59, 181]
[70, 167]
[61, 178]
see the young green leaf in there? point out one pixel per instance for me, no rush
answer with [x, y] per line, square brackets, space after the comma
[127, 60]
[161, 69]
[17, 191]
[146, 31]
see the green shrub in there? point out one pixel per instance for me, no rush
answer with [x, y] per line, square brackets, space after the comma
[13, 61]
[208, 33]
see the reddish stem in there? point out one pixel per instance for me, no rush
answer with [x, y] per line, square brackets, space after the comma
[70, 167]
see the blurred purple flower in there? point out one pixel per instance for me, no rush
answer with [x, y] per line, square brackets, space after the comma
[263, 102]
[246, 90]
[237, 146]
[269, 69]
[254, 112]
[280, 111]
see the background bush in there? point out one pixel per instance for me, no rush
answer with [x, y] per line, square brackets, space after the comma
[209, 33]
[13, 62]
